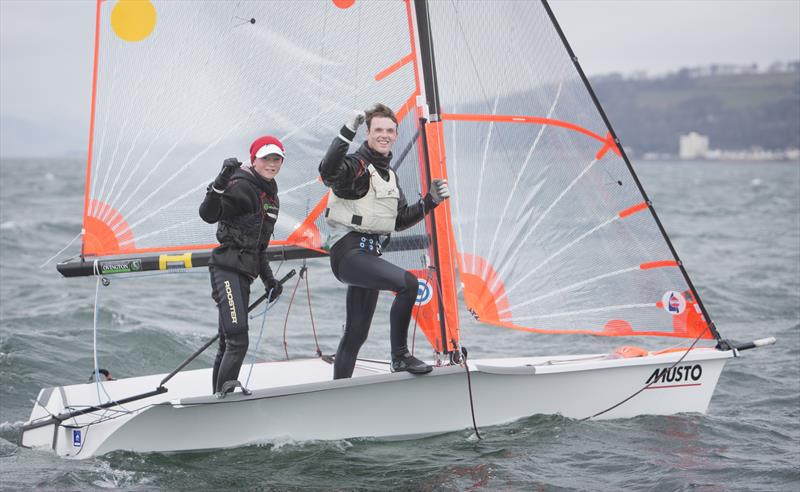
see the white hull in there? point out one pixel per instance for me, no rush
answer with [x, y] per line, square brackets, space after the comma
[298, 400]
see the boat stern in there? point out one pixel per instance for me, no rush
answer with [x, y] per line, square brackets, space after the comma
[39, 432]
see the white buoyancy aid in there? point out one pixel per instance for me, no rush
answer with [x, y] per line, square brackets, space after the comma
[375, 212]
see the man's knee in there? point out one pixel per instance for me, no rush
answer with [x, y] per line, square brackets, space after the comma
[411, 286]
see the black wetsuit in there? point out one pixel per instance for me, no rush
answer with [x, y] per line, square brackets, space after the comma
[355, 258]
[246, 212]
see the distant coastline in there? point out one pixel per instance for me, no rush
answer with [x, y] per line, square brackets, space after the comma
[791, 155]
[745, 112]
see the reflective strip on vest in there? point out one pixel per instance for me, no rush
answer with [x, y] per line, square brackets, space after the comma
[375, 212]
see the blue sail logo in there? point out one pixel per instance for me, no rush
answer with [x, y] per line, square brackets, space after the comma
[673, 305]
[673, 302]
[424, 292]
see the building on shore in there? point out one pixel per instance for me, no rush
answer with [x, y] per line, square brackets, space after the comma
[693, 146]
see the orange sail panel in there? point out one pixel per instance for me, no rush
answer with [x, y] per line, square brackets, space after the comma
[445, 242]
[160, 130]
[553, 231]
[547, 224]
[482, 290]
[426, 310]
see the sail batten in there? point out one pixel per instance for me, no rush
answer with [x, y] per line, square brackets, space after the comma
[534, 120]
[548, 224]
[520, 173]
[201, 84]
[554, 233]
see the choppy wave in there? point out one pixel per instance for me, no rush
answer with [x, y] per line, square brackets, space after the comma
[737, 234]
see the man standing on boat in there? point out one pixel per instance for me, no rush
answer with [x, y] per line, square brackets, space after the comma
[243, 200]
[366, 204]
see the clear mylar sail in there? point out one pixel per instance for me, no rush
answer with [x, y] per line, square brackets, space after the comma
[553, 229]
[191, 83]
[548, 229]
[180, 86]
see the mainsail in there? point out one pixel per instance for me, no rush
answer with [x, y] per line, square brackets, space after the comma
[548, 229]
[180, 86]
[200, 84]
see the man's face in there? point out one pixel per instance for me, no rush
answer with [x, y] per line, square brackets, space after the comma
[268, 166]
[381, 134]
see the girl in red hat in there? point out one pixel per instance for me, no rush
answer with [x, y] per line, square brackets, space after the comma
[243, 202]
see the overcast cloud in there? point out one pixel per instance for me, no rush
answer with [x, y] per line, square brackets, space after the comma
[46, 53]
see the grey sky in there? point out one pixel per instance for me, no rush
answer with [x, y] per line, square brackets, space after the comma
[46, 53]
[660, 35]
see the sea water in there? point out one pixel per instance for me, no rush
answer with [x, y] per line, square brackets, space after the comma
[736, 226]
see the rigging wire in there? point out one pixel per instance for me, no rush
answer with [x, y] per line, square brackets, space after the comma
[104, 418]
[697, 339]
[303, 271]
[62, 250]
[303, 276]
[98, 384]
[251, 20]
[94, 331]
[267, 307]
[263, 315]
[118, 413]
[288, 310]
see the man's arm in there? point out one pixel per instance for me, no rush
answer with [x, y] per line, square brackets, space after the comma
[335, 168]
[408, 215]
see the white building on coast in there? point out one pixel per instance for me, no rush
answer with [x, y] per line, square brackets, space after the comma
[693, 146]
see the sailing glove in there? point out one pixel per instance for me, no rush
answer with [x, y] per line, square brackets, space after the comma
[439, 190]
[223, 178]
[356, 120]
[275, 287]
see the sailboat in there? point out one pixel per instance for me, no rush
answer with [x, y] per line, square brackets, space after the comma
[548, 229]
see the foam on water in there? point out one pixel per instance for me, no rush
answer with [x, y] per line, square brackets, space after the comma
[737, 232]
[288, 444]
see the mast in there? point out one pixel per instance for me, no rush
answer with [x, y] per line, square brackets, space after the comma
[630, 168]
[89, 153]
[442, 247]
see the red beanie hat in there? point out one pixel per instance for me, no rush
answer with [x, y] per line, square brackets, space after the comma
[266, 145]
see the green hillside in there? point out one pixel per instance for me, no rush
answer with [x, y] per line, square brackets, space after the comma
[736, 111]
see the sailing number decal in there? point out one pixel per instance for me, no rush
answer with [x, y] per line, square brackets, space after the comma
[424, 292]
[674, 302]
